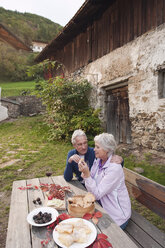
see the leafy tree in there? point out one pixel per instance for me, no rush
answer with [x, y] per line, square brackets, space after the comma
[13, 64]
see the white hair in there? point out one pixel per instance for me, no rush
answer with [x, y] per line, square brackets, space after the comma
[76, 133]
[107, 142]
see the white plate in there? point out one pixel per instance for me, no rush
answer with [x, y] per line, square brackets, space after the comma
[43, 210]
[91, 236]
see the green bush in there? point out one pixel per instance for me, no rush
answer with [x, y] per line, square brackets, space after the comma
[67, 107]
[89, 122]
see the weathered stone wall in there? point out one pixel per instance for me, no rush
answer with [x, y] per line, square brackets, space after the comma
[146, 133]
[137, 63]
[30, 105]
[22, 105]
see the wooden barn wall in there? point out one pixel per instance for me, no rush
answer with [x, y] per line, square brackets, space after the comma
[120, 23]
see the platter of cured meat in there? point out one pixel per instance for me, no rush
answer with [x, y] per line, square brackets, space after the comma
[55, 195]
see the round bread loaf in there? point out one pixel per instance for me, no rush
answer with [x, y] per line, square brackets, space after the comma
[77, 207]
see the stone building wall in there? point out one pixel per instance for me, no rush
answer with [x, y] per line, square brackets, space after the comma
[136, 63]
[22, 105]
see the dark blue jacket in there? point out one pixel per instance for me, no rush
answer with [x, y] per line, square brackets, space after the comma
[73, 167]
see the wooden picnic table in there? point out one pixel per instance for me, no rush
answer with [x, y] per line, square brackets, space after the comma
[22, 235]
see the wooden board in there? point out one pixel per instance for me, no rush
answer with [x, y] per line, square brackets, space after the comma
[36, 235]
[18, 234]
[153, 232]
[140, 236]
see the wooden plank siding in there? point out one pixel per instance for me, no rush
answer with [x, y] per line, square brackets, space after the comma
[122, 22]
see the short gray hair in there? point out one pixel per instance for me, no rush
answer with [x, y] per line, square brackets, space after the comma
[107, 142]
[76, 133]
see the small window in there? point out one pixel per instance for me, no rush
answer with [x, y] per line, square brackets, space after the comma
[161, 84]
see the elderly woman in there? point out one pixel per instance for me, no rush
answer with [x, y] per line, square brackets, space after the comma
[106, 180]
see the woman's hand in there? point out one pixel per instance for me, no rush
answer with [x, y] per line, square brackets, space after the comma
[116, 159]
[75, 158]
[83, 167]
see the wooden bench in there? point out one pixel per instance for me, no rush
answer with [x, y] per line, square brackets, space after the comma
[151, 195]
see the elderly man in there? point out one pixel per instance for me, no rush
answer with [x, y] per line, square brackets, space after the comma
[82, 150]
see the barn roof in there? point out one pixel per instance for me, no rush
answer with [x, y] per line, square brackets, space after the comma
[7, 36]
[89, 11]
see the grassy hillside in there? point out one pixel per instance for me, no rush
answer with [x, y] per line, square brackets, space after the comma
[28, 26]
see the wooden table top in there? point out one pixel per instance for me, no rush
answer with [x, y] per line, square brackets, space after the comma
[22, 235]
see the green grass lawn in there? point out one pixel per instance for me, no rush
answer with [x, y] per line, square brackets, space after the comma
[26, 141]
[155, 172]
[16, 88]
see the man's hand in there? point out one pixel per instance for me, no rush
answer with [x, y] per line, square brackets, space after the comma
[83, 167]
[116, 159]
[75, 158]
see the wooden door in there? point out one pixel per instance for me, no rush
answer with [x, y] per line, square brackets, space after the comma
[118, 122]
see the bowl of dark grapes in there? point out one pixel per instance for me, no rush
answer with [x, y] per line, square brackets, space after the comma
[42, 216]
